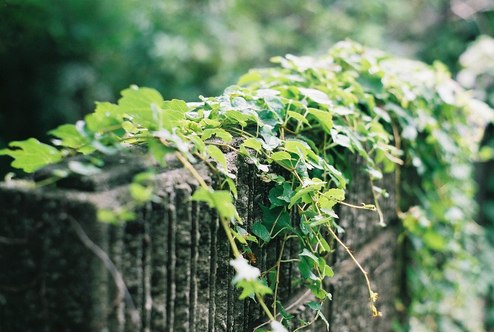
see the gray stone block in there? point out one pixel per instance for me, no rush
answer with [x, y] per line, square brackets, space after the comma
[169, 269]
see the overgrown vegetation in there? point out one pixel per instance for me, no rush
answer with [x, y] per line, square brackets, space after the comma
[478, 74]
[306, 117]
[63, 55]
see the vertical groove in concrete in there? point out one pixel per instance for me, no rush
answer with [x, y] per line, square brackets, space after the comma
[230, 320]
[183, 255]
[117, 307]
[132, 271]
[172, 259]
[159, 261]
[147, 262]
[194, 254]
[222, 282]
[204, 234]
[212, 274]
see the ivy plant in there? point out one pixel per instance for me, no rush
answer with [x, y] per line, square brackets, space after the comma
[297, 123]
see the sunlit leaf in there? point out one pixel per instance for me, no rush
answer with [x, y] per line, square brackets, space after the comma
[31, 155]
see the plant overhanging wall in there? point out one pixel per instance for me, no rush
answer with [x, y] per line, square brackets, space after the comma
[297, 122]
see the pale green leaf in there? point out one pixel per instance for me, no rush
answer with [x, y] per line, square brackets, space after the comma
[316, 95]
[297, 116]
[222, 201]
[106, 118]
[217, 155]
[140, 193]
[316, 186]
[69, 137]
[323, 117]
[252, 143]
[217, 132]
[137, 103]
[31, 155]
[280, 155]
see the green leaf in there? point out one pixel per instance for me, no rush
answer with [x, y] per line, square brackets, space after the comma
[306, 269]
[434, 240]
[316, 95]
[314, 305]
[283, 312]
[218, 156]
[173, 113]
[323, 117]
[239, 117]
[140, 193]
[252, 143]
[106, 216]
[260, 231]
[328, 271]
[137, 103]
[310, 188]
[114, 217]
[325, 245]
[280, 156]
[222, 201]
[70, 137]
[341, 139]
[308, 254]
[324, 220]
[240, 237]
[129, 127]
[318, 291]
[232, 186]
[217, 132]
[299, 117]
[106, 118]
[280, 195]
[330, 198]
[158, 150]
[251, 288]
[300, 148]
[31, 155]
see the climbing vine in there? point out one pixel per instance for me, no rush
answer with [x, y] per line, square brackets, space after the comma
[298, 123]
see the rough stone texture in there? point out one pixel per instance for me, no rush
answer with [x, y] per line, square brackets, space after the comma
[173, 260]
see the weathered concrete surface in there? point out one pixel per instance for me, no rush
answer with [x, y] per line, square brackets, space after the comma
[168, 270]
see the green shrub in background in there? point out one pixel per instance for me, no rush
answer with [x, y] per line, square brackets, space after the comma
[477, 74]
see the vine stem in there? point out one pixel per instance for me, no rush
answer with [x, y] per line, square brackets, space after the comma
[122, 290]
[356, 206]
[202, 182]
[278, 266]
[372, 294]
[224, 223]
[265, 307]
[376, 202]
[396, 134]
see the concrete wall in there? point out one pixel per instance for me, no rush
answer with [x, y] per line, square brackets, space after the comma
[60, 269]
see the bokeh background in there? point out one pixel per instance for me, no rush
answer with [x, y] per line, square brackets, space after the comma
[59, 56]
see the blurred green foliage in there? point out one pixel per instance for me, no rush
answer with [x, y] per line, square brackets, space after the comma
[477, 74]
[58, 56]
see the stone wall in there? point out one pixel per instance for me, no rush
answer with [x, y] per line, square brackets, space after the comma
[168, 270]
